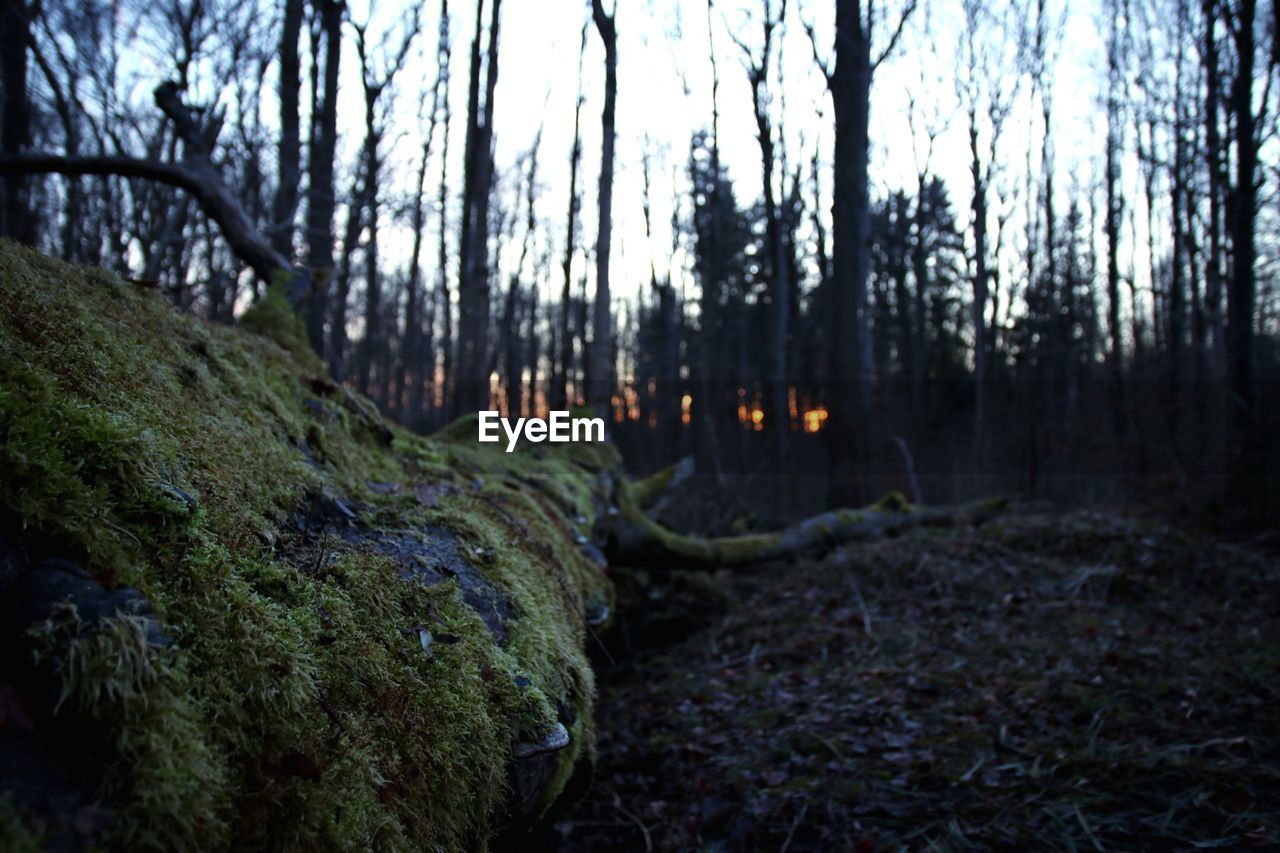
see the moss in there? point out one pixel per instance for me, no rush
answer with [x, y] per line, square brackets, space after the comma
[297, 707]
[15, 836]
[272, 317]
[893, 502]
[646, 492]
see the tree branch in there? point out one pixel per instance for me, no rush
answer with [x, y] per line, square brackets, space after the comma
[897, 34]
[817, 56]
[196, 174]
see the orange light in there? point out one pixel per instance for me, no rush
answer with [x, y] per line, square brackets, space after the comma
[686, 405]
[815, 419]
[757, 416]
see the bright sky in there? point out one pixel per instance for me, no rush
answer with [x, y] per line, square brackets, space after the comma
[665, 94]
[664, 49]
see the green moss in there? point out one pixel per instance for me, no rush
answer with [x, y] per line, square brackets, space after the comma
[893, 502]
[272, 317]
[647, 491]
[297, 707]
[696, 550]
[15, 836]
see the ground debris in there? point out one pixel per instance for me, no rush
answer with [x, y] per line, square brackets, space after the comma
[1050, 681]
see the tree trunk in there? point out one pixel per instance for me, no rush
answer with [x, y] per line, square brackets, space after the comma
[290, 150]
[320, 184]
[471, 389]
[367, 355]
[17, 220]
[777, 419]
[979, 306]
[849, 426]
[560, 383]
[1241, 214]
[601, 390]
[442, 262]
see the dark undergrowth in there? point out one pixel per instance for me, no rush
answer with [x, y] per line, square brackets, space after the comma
[1047, 682]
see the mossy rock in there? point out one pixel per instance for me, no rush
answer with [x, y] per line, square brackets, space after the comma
[342, 636]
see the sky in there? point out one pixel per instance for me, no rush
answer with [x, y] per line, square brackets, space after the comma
[664, 95]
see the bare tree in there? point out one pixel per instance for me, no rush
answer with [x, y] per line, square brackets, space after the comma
[16, 217]
[600, 360]
[1241, 22]
[321, 150]
[372, 361]
[417, 359]
[849, 81]
[986, 99]
[290, 150]
[560, 383]
[471, 389]
[758, 71]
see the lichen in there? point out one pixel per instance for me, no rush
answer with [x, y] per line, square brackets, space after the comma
[297, 707]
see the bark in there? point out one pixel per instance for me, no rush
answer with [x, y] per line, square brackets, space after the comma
[1115, 203]
[373, 338]
[850, 417]
[1241, 216]
[471, 390]
[849, 82]
[601, 361]
[16, 218]
[290, 149]
[1214, 275]
[706, 449]
[321, 199]
[979, 306]
[446, 303]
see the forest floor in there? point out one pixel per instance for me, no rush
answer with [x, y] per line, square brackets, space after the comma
[1085, 680]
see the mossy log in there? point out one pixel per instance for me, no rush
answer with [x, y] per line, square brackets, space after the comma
[636, 539]
[240, 609]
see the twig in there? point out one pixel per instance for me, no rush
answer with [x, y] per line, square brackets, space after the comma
[617, 804]
[794, 825]
[862, 605]
[911, 468]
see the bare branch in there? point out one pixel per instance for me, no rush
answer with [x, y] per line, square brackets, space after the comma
[817, 57]
[897, 33]
[196, 174]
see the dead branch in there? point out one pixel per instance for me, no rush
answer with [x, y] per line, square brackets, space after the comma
[636, 539]
[196, 174]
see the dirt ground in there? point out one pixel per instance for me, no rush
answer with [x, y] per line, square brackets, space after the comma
[1046, 682]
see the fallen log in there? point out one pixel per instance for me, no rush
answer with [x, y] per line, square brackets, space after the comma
[238, 609]
[637, 539]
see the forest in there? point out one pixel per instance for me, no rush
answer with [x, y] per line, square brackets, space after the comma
[1004, 274]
